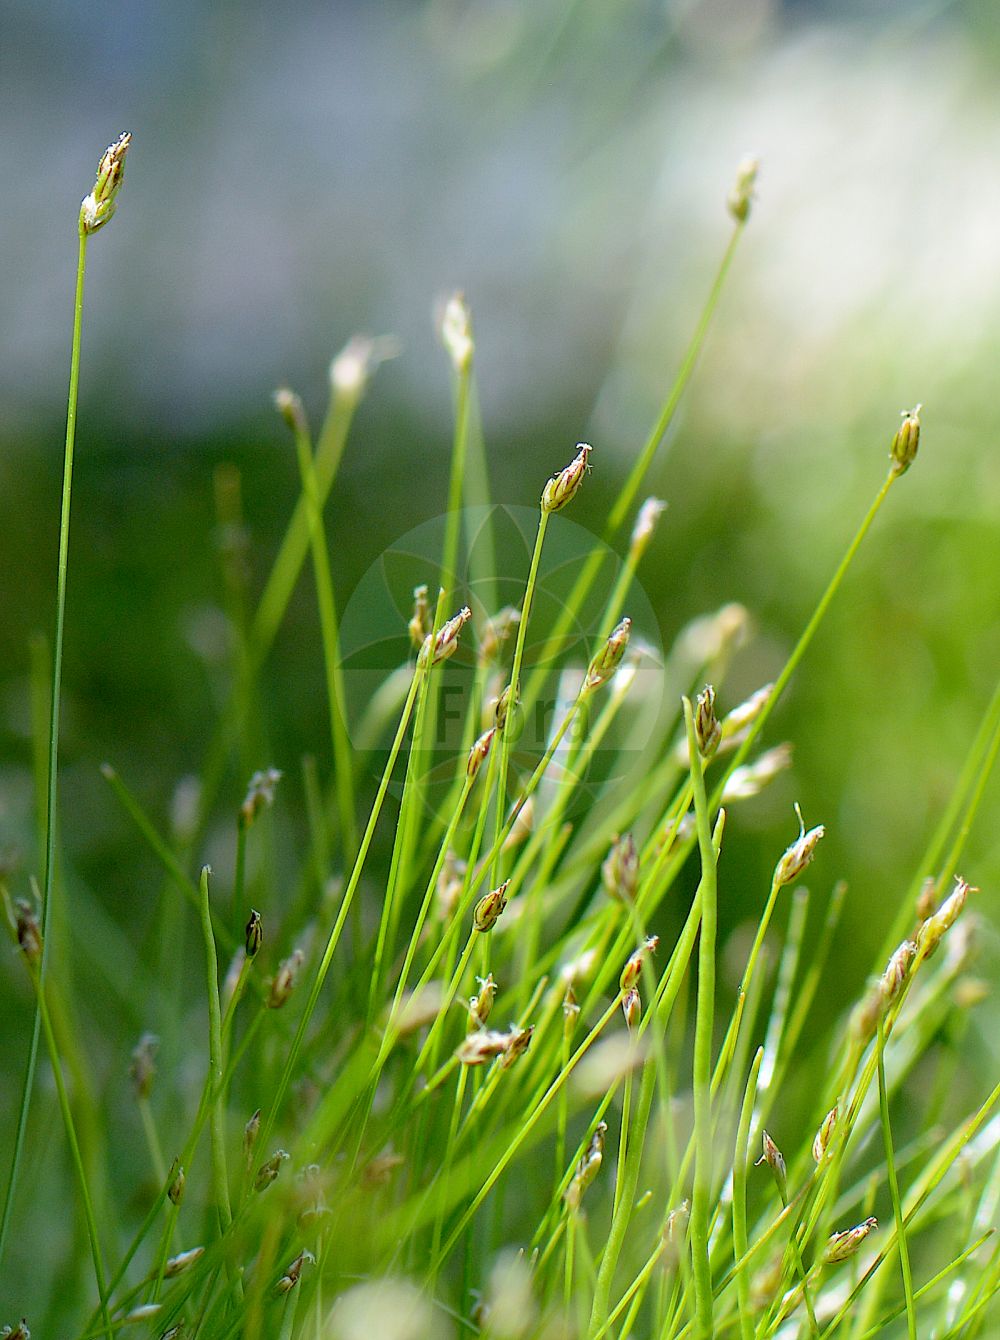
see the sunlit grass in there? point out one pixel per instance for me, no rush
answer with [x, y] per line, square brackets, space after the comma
[454, 1085]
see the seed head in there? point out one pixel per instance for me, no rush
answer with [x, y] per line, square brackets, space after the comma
[632, 1008]
[98, 207]
[478, 754]
[28, 930]
[420, 624]
[18, 1332]
[489, 908]
[144, 1312]
[456, 332]
[380, 1169]
[444, 644]
[842, 1245]
[179, 1263]
[563, 487]
[740, 718]
[175, 1191]
[283, 981]
[518, 1042]
[903, 450]
[259, 796]
[645, 524]
[290, 1278]
[750, 778]
[936, 926]
[497, 631]
[739, 198]
[620, 870]
[775, 1160]
[571, 1011]
[609, 658]
[250, 1132]
[352, 369]
[633, 964]
[143, 1066]
[895, 973]
[482, 1046]
[290, 407]
[254, 933]
[268, 1171]
[481, 1004]
[799, 854]
[823, 1136]
[587, 1168]
[501, 709]
[707, 730]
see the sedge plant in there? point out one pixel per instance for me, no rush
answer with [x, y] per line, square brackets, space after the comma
[519, 1099]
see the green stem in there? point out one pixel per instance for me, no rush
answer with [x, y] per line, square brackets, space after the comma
[800, 648]
[897, 1207]
[345, 907]
[74, 1145]
[740, 1159]
[217, 1125]
[330, 637]
[627, 495]
[524, 1130]
[513, 697]
[53, 761]
[702, 1071]
[625, 1186]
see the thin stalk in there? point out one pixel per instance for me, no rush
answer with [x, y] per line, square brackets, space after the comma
[627, 495]
[49, 818]
[702, 1073]
[740, 1159]
[74, 1145]
[515, 684]
[625, 1186]
[345, 907]
[524, 1130]
[330, 637]
[897, 1207]
[806, 637]
[217, 1120]
[449, 1154]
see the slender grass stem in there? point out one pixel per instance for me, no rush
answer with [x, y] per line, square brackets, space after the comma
[625, 1186]
[217, 1123]
[334, 938]
[527, 1126]
[513, 708]
[49, 819]
[897, 1207]
[330, 638]
[702, 1189]
[628, 493]
[740, 1160]
[74, 1146]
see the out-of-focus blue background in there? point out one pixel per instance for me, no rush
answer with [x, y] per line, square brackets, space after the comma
[303, 172]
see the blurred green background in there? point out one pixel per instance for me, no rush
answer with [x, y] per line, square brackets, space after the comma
[300, 173]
